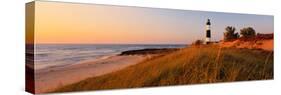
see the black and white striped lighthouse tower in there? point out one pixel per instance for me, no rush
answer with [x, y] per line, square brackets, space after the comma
[208, 32]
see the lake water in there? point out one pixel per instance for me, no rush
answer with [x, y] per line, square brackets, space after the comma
[47, 55]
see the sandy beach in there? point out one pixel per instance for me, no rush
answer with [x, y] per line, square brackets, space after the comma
[53, 77]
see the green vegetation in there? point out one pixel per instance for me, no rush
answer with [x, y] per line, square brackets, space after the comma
[248, 32]
[230, 34]
[193, 65]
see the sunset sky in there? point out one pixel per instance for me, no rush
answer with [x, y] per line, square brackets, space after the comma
[102, 24]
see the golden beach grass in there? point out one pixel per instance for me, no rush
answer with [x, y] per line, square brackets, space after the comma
[192, 65]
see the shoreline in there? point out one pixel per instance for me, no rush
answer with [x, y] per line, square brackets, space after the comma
[51, 78]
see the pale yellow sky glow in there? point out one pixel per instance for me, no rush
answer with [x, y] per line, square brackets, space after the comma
[82, 23]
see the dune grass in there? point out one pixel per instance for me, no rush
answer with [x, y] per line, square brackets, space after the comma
[193, 65]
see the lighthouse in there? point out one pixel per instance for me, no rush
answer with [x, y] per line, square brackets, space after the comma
[208, 32]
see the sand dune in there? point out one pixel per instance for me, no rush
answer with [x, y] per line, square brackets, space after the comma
[51, 78]
[191, 65]
[257, 44]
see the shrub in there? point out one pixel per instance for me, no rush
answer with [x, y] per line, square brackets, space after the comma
[230, 34]
[264, 36]
[198, 42]
[248, 32]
